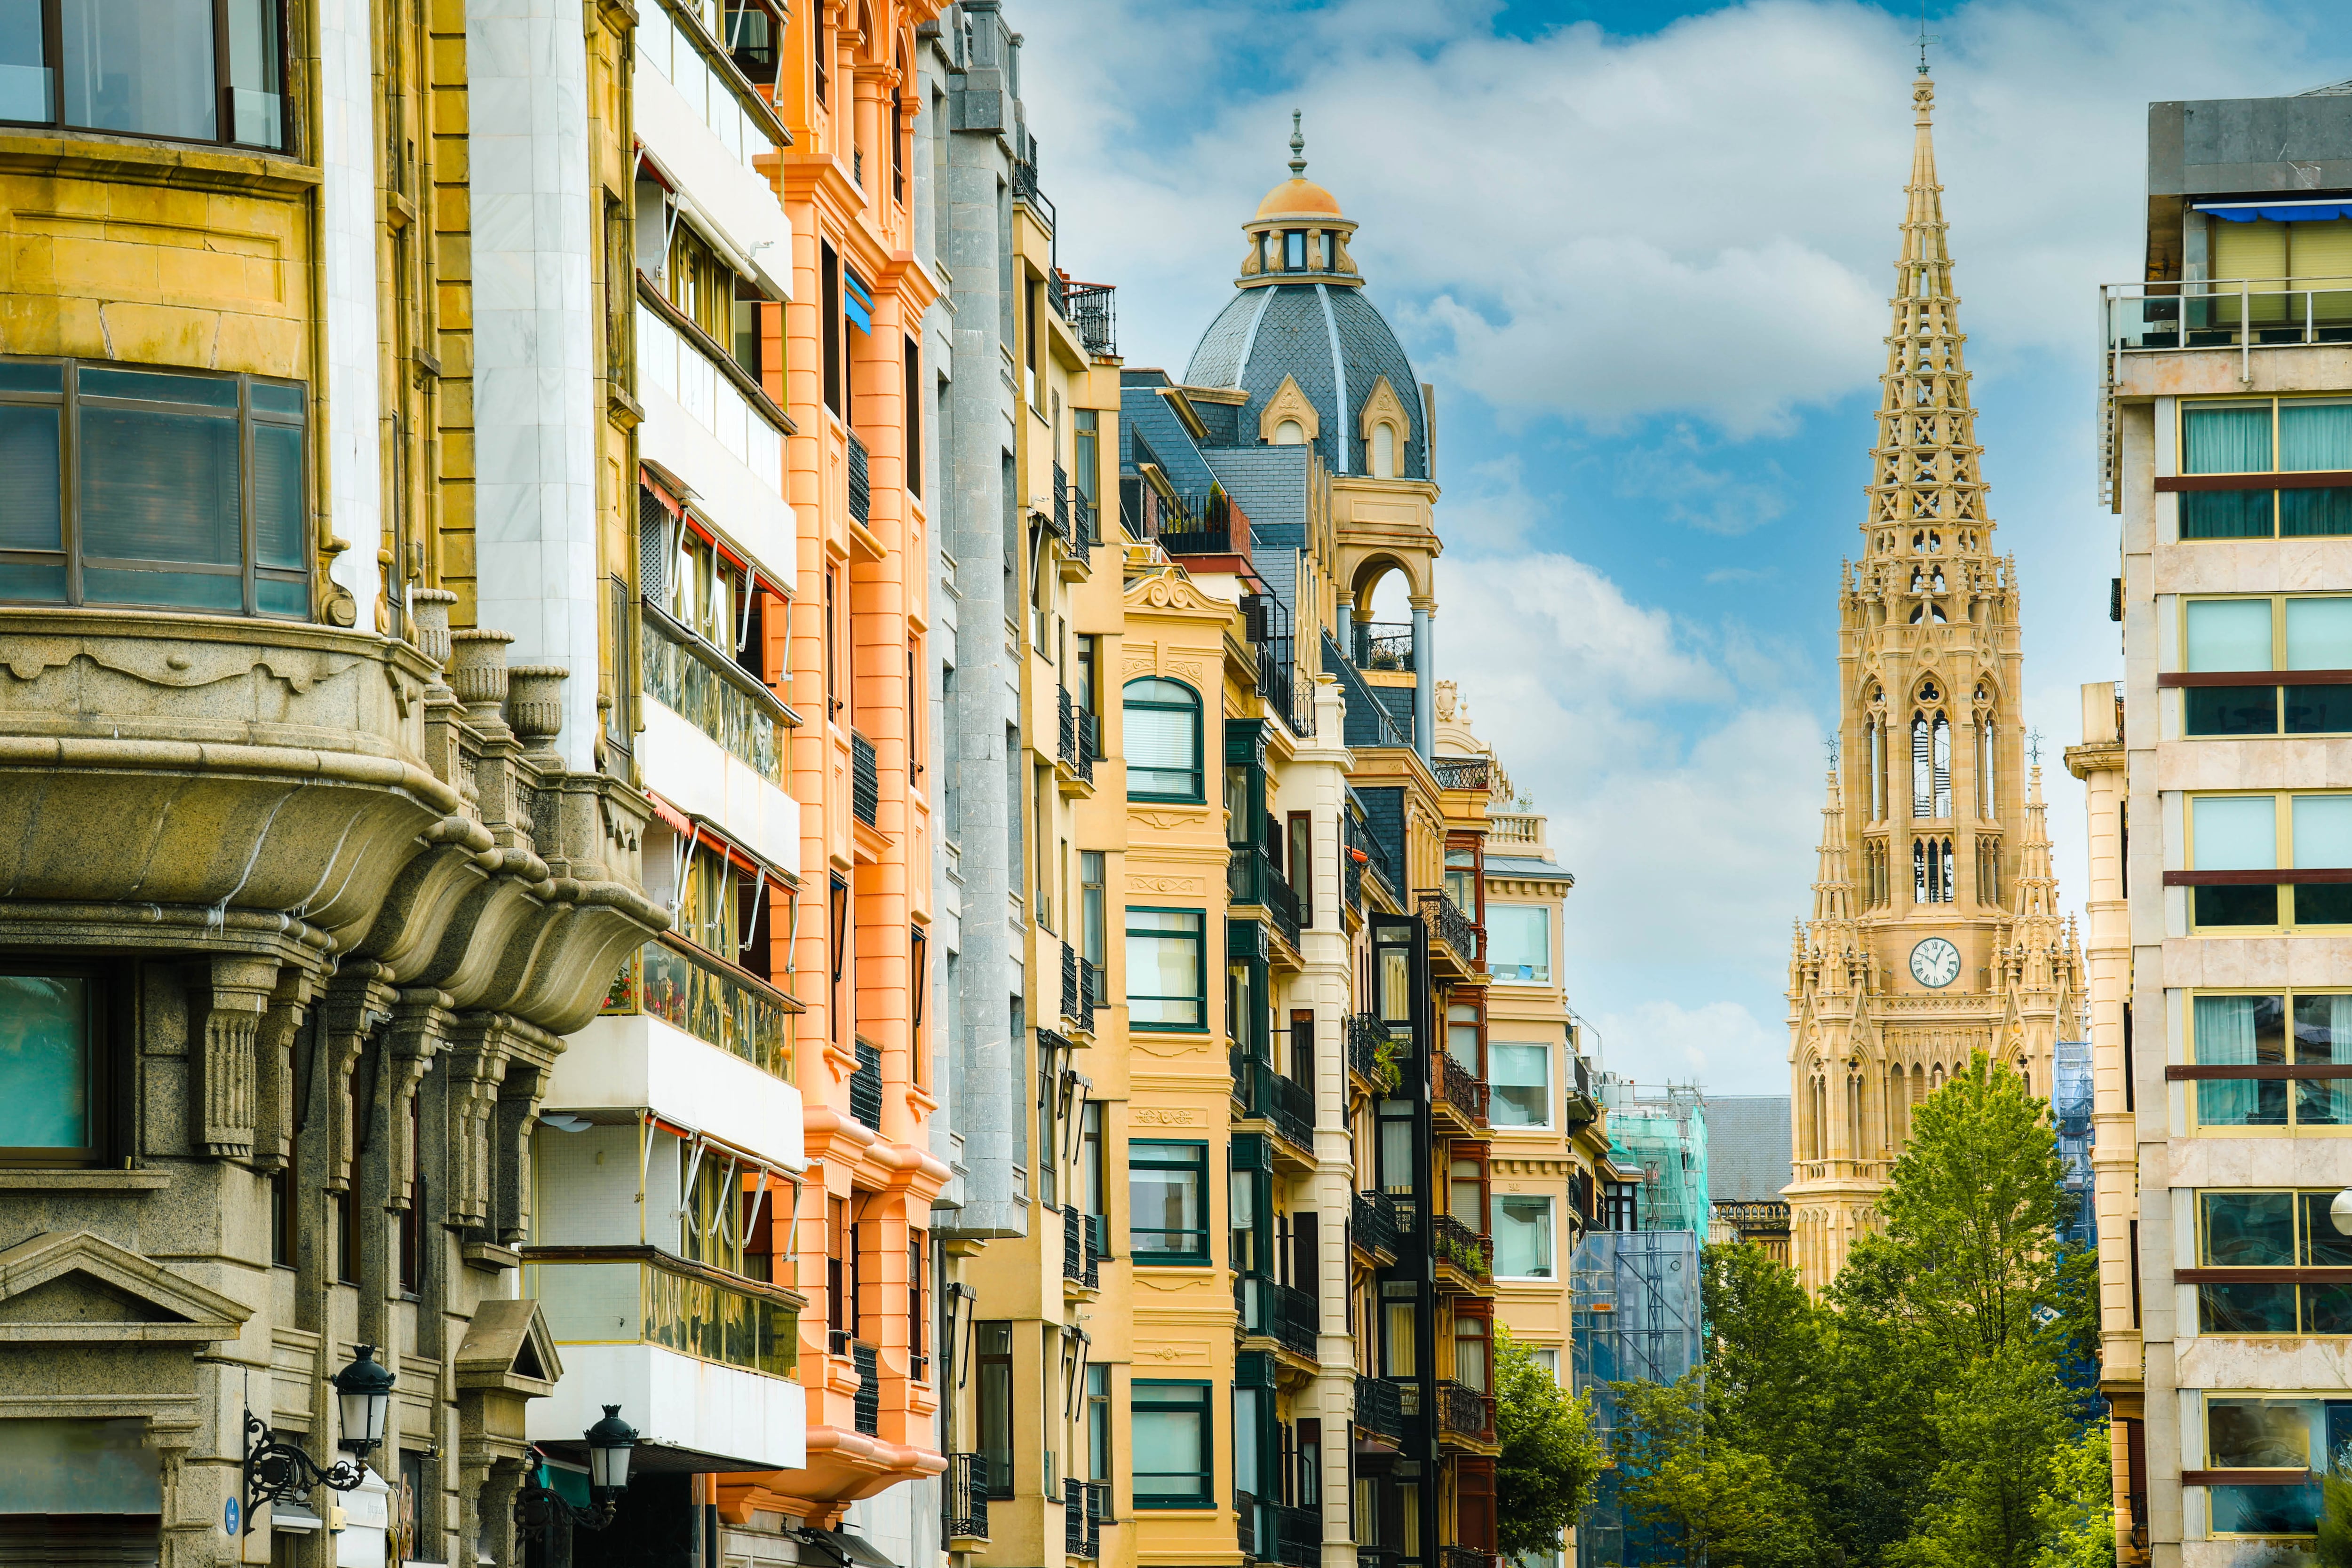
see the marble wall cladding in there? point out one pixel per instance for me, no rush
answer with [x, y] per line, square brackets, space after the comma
[534, 345]
[352, 217]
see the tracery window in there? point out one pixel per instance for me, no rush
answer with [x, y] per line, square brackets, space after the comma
[1931, 871]
[1931, 759]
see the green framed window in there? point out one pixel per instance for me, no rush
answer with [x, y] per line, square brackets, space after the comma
[2231, 646]
[2237, 441]
[156, 489]
[2270, 861]
[52, 1107]
[2269, 1060]
[1166, 970]
[1161, 723]
[1168, 1202]
[1175, 1444]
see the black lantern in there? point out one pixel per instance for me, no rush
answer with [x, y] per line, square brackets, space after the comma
[539, 1509]
[274, 1470]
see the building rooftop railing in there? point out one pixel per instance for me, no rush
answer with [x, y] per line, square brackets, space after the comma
[1383, 645]
[1091, 310]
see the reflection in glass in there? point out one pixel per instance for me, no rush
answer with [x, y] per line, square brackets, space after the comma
[2239, 1031]
[141, 65]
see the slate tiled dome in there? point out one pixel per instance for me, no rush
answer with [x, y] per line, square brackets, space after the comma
[1338, 345]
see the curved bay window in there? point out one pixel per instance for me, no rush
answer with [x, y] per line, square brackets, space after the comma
[1162, 721]
[183, 70]
[153, 488]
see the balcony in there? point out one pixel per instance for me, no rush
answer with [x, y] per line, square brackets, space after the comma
[1378, 1411]
[1373, 1053]
[1456, 1244]
[867, 1406]
[1297, 1320]
[1079, 987]
[1084, 1506]
[708, 422]
[1081, 1255]
[1251, 880]
[964, 1502]
[1091, 310]
[1464, 1557]
[1262, 1093]
[1298, 1535]
[714, 738]
[1454, 1088]
[684, 1033]
[1476, 773]
[1447, 925]
[1368, 858]
[702, 1359]
[1215, 527]
[861, 481]
[865, 1086]
[1464, 1412]
[1373, 1225]
[1078, 743]
[1385, 645]
[864, 781]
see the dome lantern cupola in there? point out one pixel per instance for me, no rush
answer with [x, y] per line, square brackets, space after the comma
[1298, 230]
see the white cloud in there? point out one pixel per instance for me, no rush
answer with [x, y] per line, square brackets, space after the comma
[1713, 500]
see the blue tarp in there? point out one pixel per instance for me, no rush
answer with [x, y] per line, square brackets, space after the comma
[858, 301]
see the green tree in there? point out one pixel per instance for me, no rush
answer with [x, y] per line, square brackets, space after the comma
[2001, 1424]
[1550, 1454]
[2078, 1513]
[1724, 1505]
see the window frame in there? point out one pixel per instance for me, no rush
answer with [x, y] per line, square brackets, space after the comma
[1198, 937]
[2279, 673]
[2193, 878]
[2186, 481]
[223, 87]
[97, 1074]
[2214, 1477]
[1197, 711]
[1196, 1163]
[1543, 911]
[2193, 1074]
[1497, 1203]
[2306, 1205]
[993, 1365]
[1190, 1396]
[68, 402]
[1550, 1122]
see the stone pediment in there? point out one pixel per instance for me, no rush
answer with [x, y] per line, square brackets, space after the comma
[76, 1286]
[508, 1346]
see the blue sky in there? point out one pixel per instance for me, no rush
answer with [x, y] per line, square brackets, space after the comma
[1643, 252]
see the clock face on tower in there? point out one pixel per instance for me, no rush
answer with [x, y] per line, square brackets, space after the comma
[1935, 962]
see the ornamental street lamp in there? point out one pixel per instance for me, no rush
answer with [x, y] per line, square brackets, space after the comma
[539, 1509]
[274, 1470]
[2340, 1211]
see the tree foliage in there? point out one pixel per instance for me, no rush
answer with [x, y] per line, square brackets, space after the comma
[1550, 1454]
[1917, 1418]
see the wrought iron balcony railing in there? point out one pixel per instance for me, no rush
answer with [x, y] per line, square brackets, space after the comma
[1374, 1222]
[1383, 645]
[1464, 1557]
[1062, 504]
[1298, 1535]
[869, 1403]
[1459, 1087]
[1463, 773]
[1091, 308]
[1081, 1257]
[1297, 1320]
[1378, 1408]
[1465, 1412]
[1250, 878]
[1448, 925]
[1264, 1093]
[864, 781]
[963, 1498]
[1081, 1520]
[1373, 1053]
[865, 1086]
[1457, 1244]
[861, 484]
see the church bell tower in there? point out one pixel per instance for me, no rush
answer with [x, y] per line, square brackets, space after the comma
[1934, 931]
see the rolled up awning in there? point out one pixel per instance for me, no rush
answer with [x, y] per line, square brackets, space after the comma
[2324, 210]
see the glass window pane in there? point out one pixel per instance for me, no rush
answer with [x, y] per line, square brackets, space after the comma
[2228, 634]
[2239, 1031]
[2319, 634]
[1520, 1077]
[26, 581]
[2227, 438]
[275, 597]
[30, 506]
[30, 376]
[277, 496]
[2327, 1309]
[141, 65]
[1518, 942]
[159, 486]
[2317, 710]
[2308, 513]
[24, 70]
[1523, 1239]
[2254, 906]
[2246, 1309]
[2323, 831]
[2324, 1246]
[2259, 1433]
[44, 1062]
[2230, 710]
[253, 86]
[2314, 434]
[269, 399]
[2265, 1511]
[166, 589]
[2248, 1229]
[2226, 514]
[156, 386]
[2234, 832]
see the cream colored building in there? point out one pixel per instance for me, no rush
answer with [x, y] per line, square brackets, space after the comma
[1934, 931]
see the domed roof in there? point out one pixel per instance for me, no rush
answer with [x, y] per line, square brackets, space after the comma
[1336, 345]
[1298, 195]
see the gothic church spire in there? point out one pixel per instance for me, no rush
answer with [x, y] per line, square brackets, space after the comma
[1925, 473]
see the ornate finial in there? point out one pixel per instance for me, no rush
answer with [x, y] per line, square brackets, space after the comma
[1830, 743]
[2033, 745]
[1926, 38]
[1298, 149]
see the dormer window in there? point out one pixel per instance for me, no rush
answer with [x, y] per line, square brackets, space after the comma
[1290, 433]
[1384, 450]
[1293, 250]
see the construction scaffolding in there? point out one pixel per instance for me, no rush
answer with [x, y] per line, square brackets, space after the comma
[1664, 1137]
[1635, 1297]
[2070, 1112]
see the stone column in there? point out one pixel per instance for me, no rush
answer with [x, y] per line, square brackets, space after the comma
[1425, 686]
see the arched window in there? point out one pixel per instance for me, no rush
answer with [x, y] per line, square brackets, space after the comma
[1289, 432]
[1931, 762]
[1161, 720]
[1384, 450]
